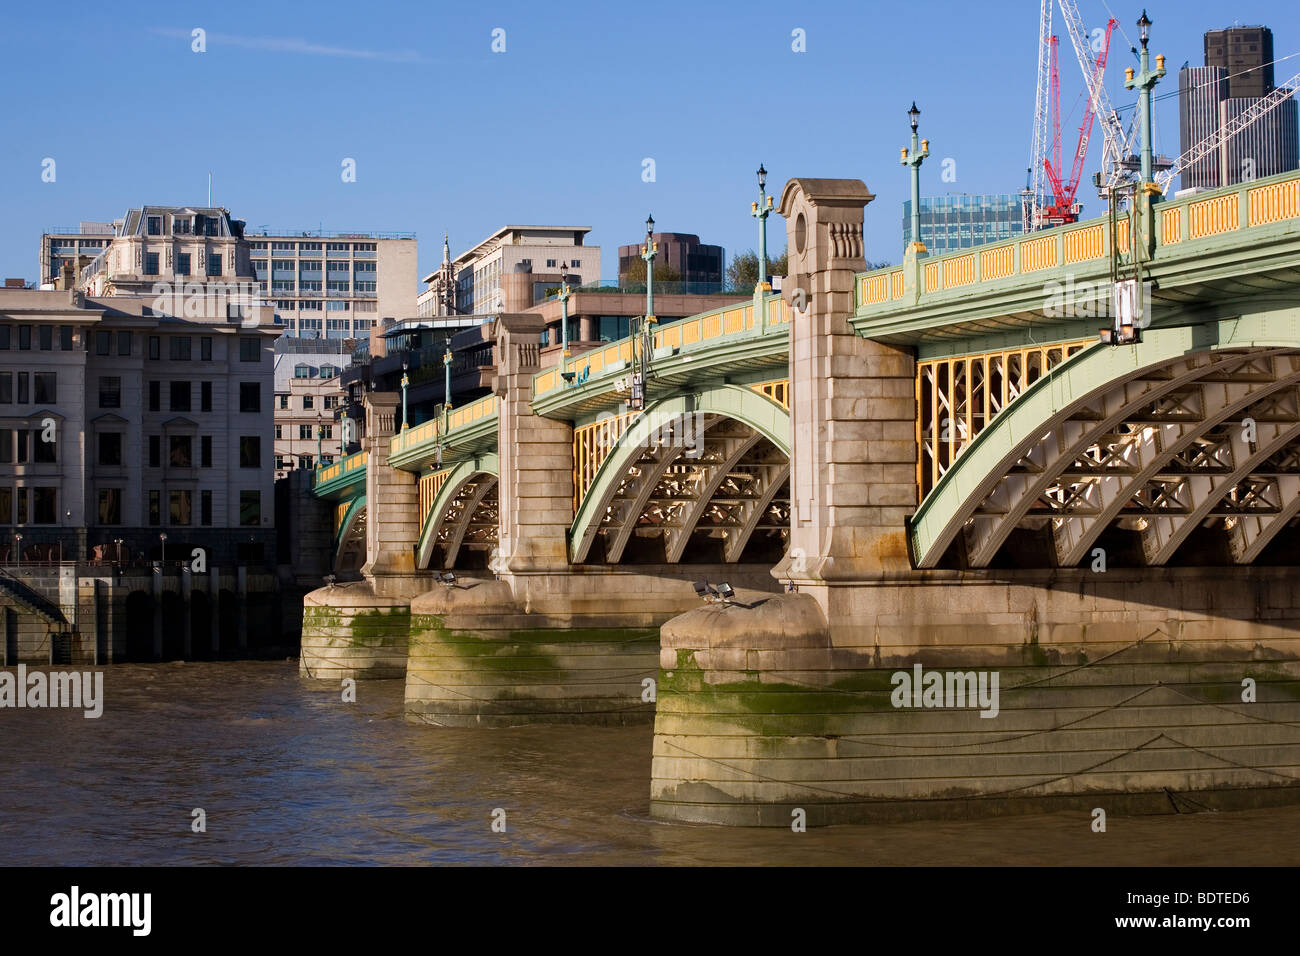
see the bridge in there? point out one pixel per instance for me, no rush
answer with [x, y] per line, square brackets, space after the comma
[940, 462]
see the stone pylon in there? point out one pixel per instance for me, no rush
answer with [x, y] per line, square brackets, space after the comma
[392, 500]
[853, 402]
[535, 456]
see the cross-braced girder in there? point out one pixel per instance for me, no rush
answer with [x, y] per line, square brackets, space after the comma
[1195, 436]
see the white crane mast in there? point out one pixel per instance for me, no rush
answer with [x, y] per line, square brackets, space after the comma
[1042, 121]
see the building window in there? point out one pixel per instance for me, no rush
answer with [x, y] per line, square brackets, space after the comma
[279, 433]
[279, 462]
[22, 388]
[155, 396]
[6, 505]
[45, 505]
[155, 457]
[284, 401]
[24, 337]
[250, 397]
[178, 504]
[308, 402]
[151, 263]
[46, 388]
[205, 450]
[205, 507]
[205, 348]
[124, 344]
[155, 508]
[180, 397]
[5, 332]
[575, 263]
[44, 452]
[180, 348]
[182, 263]
[103, 340]
[46, 337]
[327, 432]
[302, 371]
[6, 388]
[110, 505]
[250, 349]
[214, 263]
[22, 505]
[304, 433]
[250, 451]
[155, 225]
[110, 448]
[6, 449]
[205, 396]
[21, 436]
[179, 451]
[155, 347]
[250, 508]
[110, 391]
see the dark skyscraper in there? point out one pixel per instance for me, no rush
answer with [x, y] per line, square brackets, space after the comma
[1238, 72]
[1246, 54]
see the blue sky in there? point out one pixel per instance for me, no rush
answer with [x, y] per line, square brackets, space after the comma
[450, 136]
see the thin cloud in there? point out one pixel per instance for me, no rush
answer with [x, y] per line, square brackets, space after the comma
[297, 45]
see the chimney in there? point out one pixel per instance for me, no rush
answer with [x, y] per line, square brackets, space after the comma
[15, 284]
[67, 276]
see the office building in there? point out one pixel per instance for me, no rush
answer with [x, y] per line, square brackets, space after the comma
[511, 270]
[308, 395]
[1238, 72]
[700, 267]
[321, 285]
[961, 220]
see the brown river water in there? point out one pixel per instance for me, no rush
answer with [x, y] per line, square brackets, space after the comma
[287, 773]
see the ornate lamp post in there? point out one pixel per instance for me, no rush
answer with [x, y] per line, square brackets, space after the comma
[19, 549]
[1143, 83]
[760, 211]
[446, 381]
[320, 435]
[406, 380]
[564, 309]
[648, 254]
[118, 542]
[162, 548]
[913, 158]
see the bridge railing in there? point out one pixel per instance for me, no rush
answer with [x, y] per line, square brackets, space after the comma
[1083, 246]
[487, 407]
[697, 331]
[340, 469]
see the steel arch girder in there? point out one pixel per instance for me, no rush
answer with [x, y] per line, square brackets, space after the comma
[737, 402]
[349, 519]
[481, 489]
[1252, 533]
[1076, 534]
[676, 539]
[1164, 533]
[735, 545]
[1018, 492]
[1056, 396]
[461, 473]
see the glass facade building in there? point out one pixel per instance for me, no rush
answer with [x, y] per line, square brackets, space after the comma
[959, 221]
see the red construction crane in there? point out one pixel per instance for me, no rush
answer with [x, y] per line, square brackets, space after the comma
[1064, 209]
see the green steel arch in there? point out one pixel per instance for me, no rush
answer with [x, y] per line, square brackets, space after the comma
[356, 509]
[461, 473]
[1091, 382]
[738, 402]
